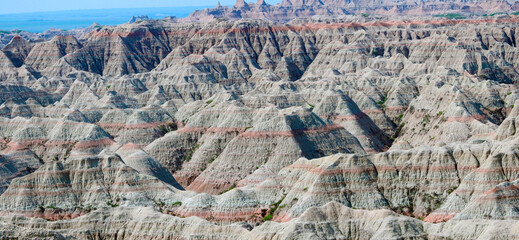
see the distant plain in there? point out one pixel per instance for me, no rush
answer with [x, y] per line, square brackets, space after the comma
[67, 20]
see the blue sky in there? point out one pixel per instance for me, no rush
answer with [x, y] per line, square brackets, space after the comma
[18, 6]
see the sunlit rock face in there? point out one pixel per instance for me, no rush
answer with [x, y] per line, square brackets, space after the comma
[319, 128]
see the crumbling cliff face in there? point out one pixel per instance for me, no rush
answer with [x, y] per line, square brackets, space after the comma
[321, 128]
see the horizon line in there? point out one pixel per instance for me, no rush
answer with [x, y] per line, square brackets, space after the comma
[93, 9]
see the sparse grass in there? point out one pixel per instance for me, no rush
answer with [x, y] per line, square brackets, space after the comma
[451, 16]
[426, 119]
[273, 208]
[231, 188]
[484, 77]
[164, 129]
[109, 203]
[498, 13]
[191, 152]
[439, 114]
[382, 104]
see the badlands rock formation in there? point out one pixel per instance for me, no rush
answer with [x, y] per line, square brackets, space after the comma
[320, 128]
[290, 9]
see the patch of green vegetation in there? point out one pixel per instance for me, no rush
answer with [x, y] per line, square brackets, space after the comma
[382, 103]
[365, 14]
[176, 204]
[231, 188]
[97, 26]
[508, 94]
[109, 203]
[484, 77]
[211, 160]
[426, 119]
[449, 191]
[4, 32]
[498, 13]
[159, 203]
[311, 106]
[51, 207]
[268, 217]
[272, 210]
[164, 129]
[400, 117]
[68, 150]
[108, 87]
[515, 13]
[451, 16]
[439, 114]
[191, 152]
[209, 101]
